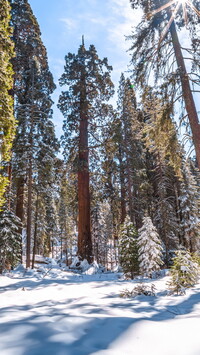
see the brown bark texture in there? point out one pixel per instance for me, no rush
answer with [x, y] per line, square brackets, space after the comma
[187, 93]
[29, 216]
[84, 225]
[122, 188]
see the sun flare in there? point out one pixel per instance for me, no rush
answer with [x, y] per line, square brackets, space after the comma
[174, 6]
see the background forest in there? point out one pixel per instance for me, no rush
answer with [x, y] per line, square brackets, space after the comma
[125, 192]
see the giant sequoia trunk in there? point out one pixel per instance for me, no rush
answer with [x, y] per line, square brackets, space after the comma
[84, 231]
[187, 93]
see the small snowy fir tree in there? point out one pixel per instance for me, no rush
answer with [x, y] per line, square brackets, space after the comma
[189, 207]
[150, 249]
[10, 240]
[184, 272]
[128, 248]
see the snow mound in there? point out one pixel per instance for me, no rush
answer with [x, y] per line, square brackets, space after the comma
[20, 268]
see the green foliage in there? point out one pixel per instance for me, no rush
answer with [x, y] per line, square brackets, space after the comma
[35, 145]
[161, 141]
[131, 154]
[128, 249]
[3, 184]
[160, 135]
[190, 206]
[184, 272]
[155, 57]
[88, 87]
[7, 121]
[10, 240]
[149, 248]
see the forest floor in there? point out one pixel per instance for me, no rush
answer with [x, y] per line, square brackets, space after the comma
[57, 312]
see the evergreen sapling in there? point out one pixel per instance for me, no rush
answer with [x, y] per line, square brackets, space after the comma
[10, 240]
[128, 248]
[184, 272]
[150, 249]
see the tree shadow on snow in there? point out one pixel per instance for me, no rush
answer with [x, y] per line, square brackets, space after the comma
[79, 328]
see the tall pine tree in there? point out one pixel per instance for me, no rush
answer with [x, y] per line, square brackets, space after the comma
[35, 142]
[89, 86]
[7, 121]
[157, 53]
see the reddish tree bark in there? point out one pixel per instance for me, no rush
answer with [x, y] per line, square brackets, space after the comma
[187, 93]
[84, 225]
[122, 187]
[20, 204]
[35, 232]
[29, 216]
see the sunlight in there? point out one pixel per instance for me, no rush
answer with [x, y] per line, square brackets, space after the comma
[174, 6]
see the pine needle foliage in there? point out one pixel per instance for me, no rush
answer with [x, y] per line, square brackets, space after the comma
[160, 134]
[149, 248]
[7, 121]
[190, 209]
[10, 240]
[184, 272]
[128, 249]
[157, 54]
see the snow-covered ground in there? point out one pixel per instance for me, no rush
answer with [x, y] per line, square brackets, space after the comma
[69, 314]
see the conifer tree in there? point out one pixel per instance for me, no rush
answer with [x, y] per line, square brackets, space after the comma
[162, 146]
[7, 121]
[184, 272]
[157, 53]
[89, 86]
[189, 208]
[35, 141]
[99, 241]
[10, 240]
[160, 134]
[109, 191]
[128, 248]
[149, 248]
[104, 243]
[130, 153]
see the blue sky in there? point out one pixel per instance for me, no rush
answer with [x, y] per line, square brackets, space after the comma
[103, 23]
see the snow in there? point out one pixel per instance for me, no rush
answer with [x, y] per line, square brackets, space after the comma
[57, 312]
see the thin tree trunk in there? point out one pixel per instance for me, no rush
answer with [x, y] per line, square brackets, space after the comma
[35, 233]
[9, 172]
[52, 249]
[61, 246]
[20, 205]
[129, 175]
[20, 200]
[29, 215]
[187, 93]
[163, 217]
[30, 179]
[130, 196]
[122, 187]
